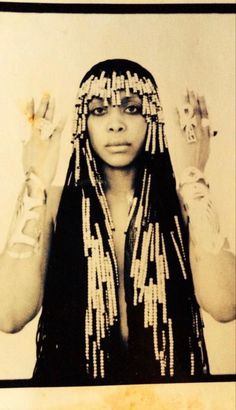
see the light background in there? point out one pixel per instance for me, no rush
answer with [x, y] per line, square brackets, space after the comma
[52, 52]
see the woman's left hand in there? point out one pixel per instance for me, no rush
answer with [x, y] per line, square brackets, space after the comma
[193, 123]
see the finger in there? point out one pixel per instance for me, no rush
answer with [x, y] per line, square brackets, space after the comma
[185, 110]
[29, 109]
[50, 109]
[176, 116]
[185, 97]
[205, 124]
[59, 128]
[203, 107]
[180, 115]
[43, 106]
[194, 102]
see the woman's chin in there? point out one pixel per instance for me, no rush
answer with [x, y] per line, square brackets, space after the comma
[119, 161]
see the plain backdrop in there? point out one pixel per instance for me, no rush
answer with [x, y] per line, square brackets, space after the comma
[52, 52]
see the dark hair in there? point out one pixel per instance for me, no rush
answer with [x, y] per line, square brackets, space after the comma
[120, 66]
[156, 238]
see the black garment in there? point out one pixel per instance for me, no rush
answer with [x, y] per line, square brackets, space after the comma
[60, 339]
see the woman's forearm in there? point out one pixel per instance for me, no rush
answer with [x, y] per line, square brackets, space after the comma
[214, 281]
[213, 265]
[23, 261]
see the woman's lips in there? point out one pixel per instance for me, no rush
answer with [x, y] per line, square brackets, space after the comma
[117, 144]
[118, 147]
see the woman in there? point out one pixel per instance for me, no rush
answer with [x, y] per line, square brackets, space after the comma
[119, 283]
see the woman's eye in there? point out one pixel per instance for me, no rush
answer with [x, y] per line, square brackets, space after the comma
[133, 109]
[98, 111]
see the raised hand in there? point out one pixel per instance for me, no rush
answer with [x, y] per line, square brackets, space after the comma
[193, 122]
[41, 151]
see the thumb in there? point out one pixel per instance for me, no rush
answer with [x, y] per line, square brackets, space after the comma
[26, 107]
[59, 128]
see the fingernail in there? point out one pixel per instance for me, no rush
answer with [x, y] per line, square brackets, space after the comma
[46, 95]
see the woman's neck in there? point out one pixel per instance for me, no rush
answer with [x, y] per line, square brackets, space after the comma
[119, 181]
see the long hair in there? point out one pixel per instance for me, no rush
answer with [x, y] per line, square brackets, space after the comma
[78, 338]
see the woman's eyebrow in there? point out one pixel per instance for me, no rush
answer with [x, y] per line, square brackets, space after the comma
[132, 98]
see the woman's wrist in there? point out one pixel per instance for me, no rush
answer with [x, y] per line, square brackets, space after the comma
[204, 226]
[36, 187]
[191, 175]
[25, 234]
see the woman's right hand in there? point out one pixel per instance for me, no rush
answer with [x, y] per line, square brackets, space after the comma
[41, 152]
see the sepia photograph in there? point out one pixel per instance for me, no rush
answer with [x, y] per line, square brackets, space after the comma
[117, 181]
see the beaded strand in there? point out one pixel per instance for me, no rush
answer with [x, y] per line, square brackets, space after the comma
[100, 273]
[103, 279]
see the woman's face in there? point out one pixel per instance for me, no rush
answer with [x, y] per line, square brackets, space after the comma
[117, 133]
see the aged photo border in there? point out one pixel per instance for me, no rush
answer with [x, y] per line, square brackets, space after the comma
[20, 7]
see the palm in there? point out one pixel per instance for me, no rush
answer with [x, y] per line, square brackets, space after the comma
[40, 154]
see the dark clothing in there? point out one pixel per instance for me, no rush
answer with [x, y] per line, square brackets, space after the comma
[60, 341]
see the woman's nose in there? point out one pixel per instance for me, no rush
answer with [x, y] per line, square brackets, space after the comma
[115, 120]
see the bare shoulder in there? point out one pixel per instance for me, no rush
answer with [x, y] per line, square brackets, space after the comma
[54, 196]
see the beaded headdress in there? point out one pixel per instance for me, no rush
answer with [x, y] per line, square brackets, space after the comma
[109, 90]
